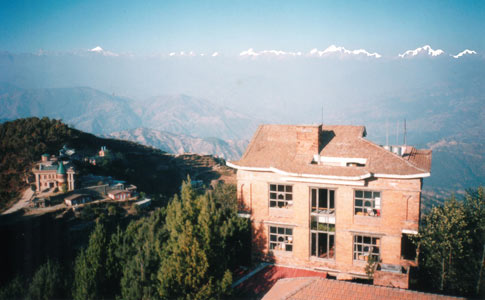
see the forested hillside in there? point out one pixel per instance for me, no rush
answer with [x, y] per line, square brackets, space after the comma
[21, 143]
[186, 250]
[24, 140]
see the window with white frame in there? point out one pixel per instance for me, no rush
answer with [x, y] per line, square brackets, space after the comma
[367, 203]
[366, 247]
[280, 238]
[323, 201]
[322, 238]
[280, 195]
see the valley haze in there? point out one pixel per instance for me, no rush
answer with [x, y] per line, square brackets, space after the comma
[213, 104]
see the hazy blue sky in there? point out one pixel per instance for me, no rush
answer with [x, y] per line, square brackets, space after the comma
[146, 27]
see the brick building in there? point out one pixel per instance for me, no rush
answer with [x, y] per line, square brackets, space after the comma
[325, 198]
[76, 199]
[52, 173]
[119, 194]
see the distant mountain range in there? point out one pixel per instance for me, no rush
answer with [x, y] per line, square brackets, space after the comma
[180, 143]
[186, 115]
[440, 96]
[97, 112]
[449, 119]
[85, 108]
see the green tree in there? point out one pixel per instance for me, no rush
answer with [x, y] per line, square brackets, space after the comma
[371, 265]
[141, 257]
[183, 272]
[446, 249]
[203, 243]
[475, 208]
[15, 289]
[90, 268]
[64, 188]
[48, 282]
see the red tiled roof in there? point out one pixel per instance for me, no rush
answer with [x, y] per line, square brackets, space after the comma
[115, 192]
[419, 157]
[325, 289]
[275, 146]
[261, 282]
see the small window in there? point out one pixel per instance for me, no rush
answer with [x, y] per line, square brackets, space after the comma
[365, 247]
[408, 248]
[367, 203]
[281, 238]
[280, 195]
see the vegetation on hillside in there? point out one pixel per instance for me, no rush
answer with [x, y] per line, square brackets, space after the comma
[187, 250]
[23, 141]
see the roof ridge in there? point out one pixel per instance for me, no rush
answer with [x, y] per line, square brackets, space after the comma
[251, 144]
[394, 155]
[313, 279]
[386, 287]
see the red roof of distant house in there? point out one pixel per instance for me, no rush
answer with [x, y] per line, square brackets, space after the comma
[315, 288]
[116, 192]
[275, 146]
[261, 282]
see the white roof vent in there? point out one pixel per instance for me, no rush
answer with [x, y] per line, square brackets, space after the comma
[398, 150]
[339, 161]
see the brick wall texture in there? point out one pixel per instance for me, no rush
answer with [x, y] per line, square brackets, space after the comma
[400, 200]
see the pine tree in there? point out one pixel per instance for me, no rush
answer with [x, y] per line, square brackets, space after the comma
[196, 256]
[47, 282]
[144, 239]
[15, 289]
[90, 269]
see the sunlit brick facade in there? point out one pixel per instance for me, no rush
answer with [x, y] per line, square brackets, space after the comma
[323, 197]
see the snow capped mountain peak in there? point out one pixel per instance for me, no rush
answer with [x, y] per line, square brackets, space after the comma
[251, 52]
[100, 50]
[338, 50]
[192, 53]
[425, 50]
[331, 50]
[465, 52]
[97, 49]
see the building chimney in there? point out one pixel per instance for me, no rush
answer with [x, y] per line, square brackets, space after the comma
[308, 139]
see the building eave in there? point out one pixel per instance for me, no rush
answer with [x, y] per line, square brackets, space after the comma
[361, 177]
[299, 175]
[325, 181]
[396, 176]
[231, 165]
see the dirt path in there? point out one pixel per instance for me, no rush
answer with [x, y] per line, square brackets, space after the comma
[23, 202]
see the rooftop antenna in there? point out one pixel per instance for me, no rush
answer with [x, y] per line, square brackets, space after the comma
[322, 114]
[405, 131]
[397, 133]
[387, 132]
